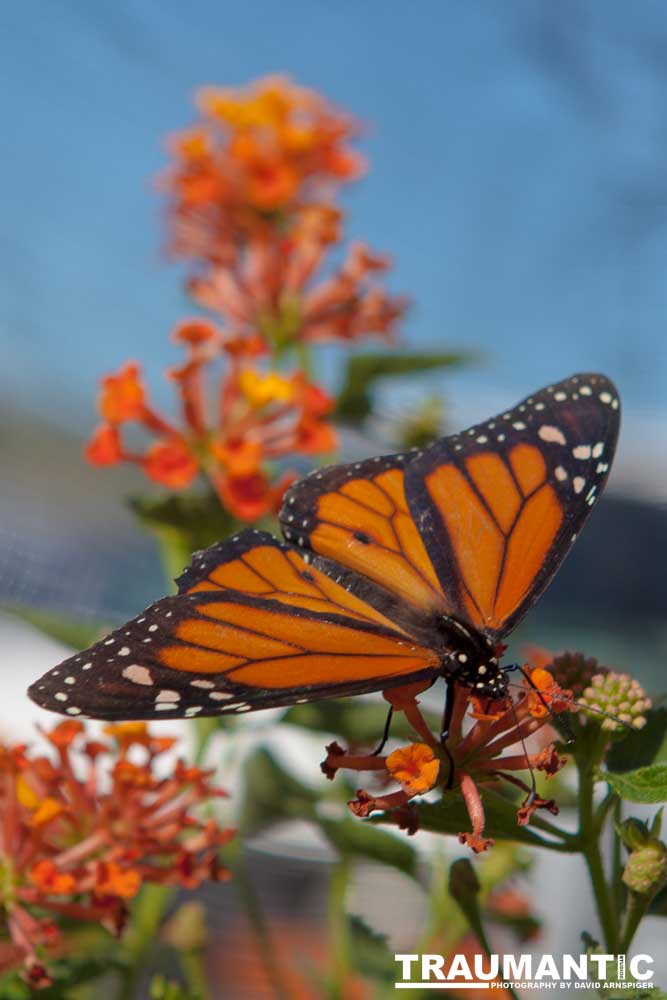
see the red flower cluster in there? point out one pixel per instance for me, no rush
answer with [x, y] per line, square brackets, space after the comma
[256, 418]
[477, 757]
[251, 198]
[266, 150]
[78, 838]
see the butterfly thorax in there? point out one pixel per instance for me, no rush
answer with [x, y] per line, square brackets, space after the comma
[471, 659]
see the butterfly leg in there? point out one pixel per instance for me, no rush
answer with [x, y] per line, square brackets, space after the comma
[445, 727]
[385, 735]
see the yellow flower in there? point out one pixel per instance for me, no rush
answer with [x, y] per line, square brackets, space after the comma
[415, 767]
[262, 389]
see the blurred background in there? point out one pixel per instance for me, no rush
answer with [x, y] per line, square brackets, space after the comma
[518, 177]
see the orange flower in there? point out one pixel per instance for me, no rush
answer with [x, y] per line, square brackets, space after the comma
[415, 767]
[468, 760]
[47, 878]
[252, 497]
[170, 463]
[251, 197]
[122, 395]
[112, 880]
[241, 458]
[77, 841]
[104, 447]
[263, 416]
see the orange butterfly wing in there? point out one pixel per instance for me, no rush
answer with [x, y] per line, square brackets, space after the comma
[502, 504]
[287, 632]
[358, 515]
[476, 525]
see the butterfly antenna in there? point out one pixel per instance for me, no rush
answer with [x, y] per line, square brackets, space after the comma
[569, 701]
[533, 783]
[385, 734]
[565, 721]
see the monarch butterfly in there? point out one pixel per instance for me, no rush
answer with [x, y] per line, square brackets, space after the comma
[392, 570]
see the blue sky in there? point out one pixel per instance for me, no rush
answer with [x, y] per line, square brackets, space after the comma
[519, 177]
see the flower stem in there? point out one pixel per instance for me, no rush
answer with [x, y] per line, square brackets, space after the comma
[338, 930]
[589, 841]
[637, 906]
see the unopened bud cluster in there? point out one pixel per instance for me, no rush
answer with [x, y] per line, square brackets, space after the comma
[646, 868]
[574, 672]
[618, 695]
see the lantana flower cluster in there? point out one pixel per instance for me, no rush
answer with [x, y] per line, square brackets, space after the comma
[491, 750]
[230, 433]
[251, 199]
[85, 827]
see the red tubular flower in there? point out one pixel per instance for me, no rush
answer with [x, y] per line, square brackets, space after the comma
[476, 758]
[263, 416]
[77, 843]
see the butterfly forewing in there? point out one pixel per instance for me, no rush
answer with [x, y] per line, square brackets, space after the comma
[289, 633]
[500, 505]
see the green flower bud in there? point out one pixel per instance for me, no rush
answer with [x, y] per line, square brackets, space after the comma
[646, 869]
[618, 695]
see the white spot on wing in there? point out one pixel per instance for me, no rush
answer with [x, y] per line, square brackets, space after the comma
[166, 695]
[578, 484]
[549, 433]
[582, 451]
[138, 675]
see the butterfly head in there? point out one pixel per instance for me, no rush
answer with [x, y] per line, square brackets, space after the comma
[475, 660]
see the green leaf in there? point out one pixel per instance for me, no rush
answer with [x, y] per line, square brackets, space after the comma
[464, 888]
[356, 839]
[370, 954]
[646, 784]
[357, 722]
[363, 370]
[450, 816]
[642, 746]
[66, 630]
[183, 523]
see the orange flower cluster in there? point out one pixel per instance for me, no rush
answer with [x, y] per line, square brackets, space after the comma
[268, 149]
[476, 757]
[256, 418]
[78, 840]
[251, 198]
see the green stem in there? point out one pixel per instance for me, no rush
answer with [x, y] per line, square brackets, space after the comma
[195, 974]
[637, 907]
[338, 930]
[617, 862]
[589, 841]
[146, 919]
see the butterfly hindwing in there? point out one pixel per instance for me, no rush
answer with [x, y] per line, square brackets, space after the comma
[289, 633]
[500, 505]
